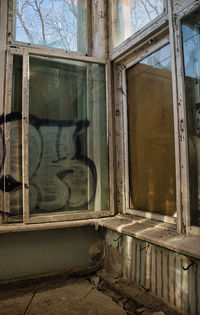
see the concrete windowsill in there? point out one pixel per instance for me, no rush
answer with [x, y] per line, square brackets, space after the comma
[155, 232]
[152, 231]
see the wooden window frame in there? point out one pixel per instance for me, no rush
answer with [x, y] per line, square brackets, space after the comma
[185, 225]
[126, 58]
[25, 52]
[128, 65]
[23, 49]
[165, 28]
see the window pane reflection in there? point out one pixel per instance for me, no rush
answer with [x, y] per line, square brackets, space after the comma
[68, 160]
[129, 16]
[151, 134]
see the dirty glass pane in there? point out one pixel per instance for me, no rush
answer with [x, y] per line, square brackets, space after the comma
[129, 16]
[11, 159]
[55, 23]
[68, 160]
[151, 134]
[191, 48]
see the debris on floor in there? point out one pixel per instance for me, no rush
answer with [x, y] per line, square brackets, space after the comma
[93, 295]
[133, 299]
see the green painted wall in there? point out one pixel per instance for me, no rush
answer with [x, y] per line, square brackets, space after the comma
[27, 253]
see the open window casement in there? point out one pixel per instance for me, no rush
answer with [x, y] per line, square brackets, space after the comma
[149, 144]
[56, 150]
[56, 139]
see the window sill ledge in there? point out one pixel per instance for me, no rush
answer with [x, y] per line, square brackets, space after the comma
[152, 231]
[155, 232]
[21, 227]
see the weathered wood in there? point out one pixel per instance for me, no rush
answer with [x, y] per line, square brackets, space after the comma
[119, 144]
[143, 54]
[152, 215]
[7, 110]
[176, 116]
[56, 53]
[3, 24]
[126, 140]
[65, 216]
[25, 131]
[21, 227]
[182, 141]
[100, 33]
[148, 30]
[182, 8]
[111, 139]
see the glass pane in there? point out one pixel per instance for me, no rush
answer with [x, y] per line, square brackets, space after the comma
[11, 185]
[68, 159]
[54, 23]
[151, 134]
[191, 48]
[129, 16]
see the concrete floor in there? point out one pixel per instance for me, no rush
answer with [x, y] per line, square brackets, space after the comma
[71, 296]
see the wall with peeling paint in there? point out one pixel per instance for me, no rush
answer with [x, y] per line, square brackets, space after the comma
[30, 253]
[158, 270]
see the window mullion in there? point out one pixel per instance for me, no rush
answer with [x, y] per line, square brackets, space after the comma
[125, 134]
[120, 139]
[89, 28]
[187, 38]
[7, 111]
[181, 135]
[3, 17]
[110, 122]
[25, 124]
[176, 110]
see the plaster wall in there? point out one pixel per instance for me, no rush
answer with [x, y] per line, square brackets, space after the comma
[29, 253]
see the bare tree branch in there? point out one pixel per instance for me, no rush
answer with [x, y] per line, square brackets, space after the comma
[153, 7]
[24, 26]
[71, 6]
[41, 19]
[146, 10]
[49, 21]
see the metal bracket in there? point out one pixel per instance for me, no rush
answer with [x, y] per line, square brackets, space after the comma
[188, 267]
